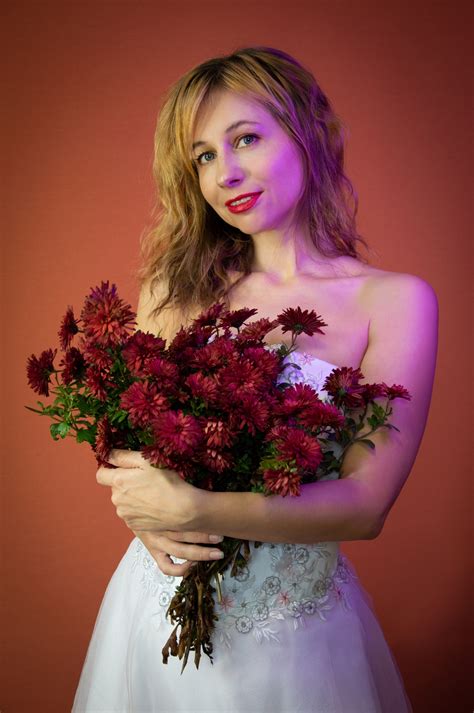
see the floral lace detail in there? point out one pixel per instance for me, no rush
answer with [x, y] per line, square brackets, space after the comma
[295, 582]
[315, 375]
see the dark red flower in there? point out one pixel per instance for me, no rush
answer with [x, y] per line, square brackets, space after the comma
[98, 382]
[216, 354]
[297, 399]
[396, 391]
[140, 349]
[39, 371]
[343, 385]
[240, 378]
[268, 362]
[296, 320]
[237, 317]
[97, 356]
[203, 387]
[250, 412]
[282, 482]
[187, 341]
[103, 442]
[217, 461]
[209, 316]
[372, 391]
[68, 329]
[255, 331]
[178, 432]
[299, 446]
[165, 373]
[322, 415]
[143, 403]
[73, 365]
[217, 433]
[107, 319]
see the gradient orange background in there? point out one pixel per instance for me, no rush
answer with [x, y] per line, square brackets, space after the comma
[83, 86]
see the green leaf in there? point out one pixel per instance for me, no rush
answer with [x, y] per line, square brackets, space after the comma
[85, 435]
[53, 429]
[63, 429]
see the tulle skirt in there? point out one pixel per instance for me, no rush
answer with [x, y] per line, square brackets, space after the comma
[334, 662]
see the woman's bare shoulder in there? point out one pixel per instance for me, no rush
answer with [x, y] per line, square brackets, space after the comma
[384, 287]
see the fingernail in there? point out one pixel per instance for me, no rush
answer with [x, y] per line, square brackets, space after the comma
[215, 538]
[216, 555]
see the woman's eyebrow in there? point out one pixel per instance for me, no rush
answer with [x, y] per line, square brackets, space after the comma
[233, 126]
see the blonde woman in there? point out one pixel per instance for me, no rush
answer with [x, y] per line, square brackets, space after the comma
[254, 207]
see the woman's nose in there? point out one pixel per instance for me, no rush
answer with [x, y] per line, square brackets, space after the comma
[229, 171]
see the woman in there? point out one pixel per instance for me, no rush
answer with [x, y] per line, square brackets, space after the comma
[255, 209]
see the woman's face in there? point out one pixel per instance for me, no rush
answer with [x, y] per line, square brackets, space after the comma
[254, 157]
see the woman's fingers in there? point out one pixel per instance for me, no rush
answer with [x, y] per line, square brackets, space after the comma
[196, 537]
[167, 566]
[163, 545]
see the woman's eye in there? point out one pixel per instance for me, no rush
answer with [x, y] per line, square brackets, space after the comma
[210, 153]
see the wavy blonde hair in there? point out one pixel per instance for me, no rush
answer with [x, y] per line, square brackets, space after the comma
[189, 248]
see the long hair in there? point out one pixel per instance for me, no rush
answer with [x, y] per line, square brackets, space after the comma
[189, 248]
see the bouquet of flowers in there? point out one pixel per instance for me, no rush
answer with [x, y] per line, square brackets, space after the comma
[214, 406]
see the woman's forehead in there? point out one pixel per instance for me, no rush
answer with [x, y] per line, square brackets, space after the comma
[225, 107]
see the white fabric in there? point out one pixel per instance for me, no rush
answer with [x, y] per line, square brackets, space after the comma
[297, 633]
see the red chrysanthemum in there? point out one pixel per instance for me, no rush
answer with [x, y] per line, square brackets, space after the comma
[216, 354]
[140, 349]
[217, 433]
[322, 415]
[268, 362]
[178, 432]
[217, 461]
[297, 399]
[282, 482]
[343, 385]
[203, 387]
[107, 319]
[256, 331]
[98, 382]
[73, 365]
[143, 403]
[67, 329]
[237, 317]
[39, 370]
[240, 378]
[396, 391]
[372, 391]
[187, 342]
[299, 446]
[97, 356]
[165, 374]
[250, 412]
[103, 442]
[209, 317]
[296, 320]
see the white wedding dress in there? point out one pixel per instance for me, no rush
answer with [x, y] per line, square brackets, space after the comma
[296, 633]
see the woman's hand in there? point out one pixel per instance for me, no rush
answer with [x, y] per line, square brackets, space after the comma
[149, 498]
[163, 544]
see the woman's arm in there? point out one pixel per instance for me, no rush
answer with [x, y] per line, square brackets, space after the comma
[402, 350]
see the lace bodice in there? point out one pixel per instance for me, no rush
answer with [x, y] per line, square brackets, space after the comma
[281, 581]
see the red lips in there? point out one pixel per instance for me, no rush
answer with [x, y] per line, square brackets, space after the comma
[242, 195]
